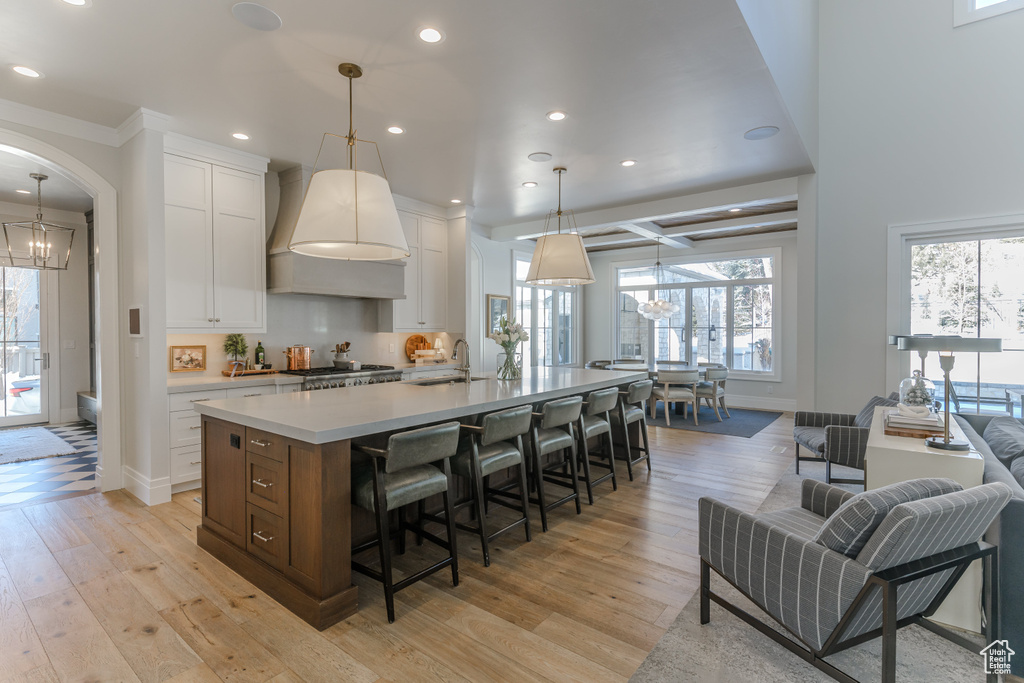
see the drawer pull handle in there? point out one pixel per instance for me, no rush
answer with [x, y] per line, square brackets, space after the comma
[249, 395]
[260, 536]
[199, 427]
[257, 442]
[199, 400]
[260, 482]
[196, 462]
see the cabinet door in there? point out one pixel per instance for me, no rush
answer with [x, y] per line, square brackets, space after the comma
[188, 243]
[239, 244]
[433, 274]
[223, 467]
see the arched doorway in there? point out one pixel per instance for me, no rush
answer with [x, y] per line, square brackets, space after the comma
[106, 305]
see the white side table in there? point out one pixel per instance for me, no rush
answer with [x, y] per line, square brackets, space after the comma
[892, 459]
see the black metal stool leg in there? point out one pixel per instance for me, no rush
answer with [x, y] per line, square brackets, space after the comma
[384, 539]
[585, 461]
[449, 518]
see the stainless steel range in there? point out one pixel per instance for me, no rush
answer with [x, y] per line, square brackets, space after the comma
[333, 378]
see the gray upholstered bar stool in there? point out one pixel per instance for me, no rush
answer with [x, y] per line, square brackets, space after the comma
[713, 390]
[403, 473]
[552, 433]
[496, 445]
[595, 422]
[630, 410]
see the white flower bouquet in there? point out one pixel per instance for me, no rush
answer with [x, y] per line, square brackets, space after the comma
[508, 336]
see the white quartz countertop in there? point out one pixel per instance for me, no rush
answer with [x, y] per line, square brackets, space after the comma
[178, 385]
[334, 414]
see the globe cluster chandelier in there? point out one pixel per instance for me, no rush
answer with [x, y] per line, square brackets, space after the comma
[657, 308]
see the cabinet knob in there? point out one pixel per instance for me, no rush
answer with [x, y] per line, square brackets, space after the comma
[260, 482]
[217, 320]
[209, 320]
[260, 536]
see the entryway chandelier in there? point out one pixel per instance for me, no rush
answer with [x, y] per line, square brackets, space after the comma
[658, 308]
[560, 257]
[349, 214]
[38, 245]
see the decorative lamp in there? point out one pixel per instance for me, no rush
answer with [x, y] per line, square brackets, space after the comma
[38, 245]
[658, 308]
[712, 333]
[349, 214]
[560, 257]
[946, 346]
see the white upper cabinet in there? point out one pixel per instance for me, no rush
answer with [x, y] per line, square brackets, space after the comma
[425, 307]
[215, 239]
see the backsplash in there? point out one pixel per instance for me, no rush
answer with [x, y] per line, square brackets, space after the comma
[319, 322]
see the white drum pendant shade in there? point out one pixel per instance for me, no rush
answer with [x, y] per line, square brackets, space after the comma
[349, 215]
[560, 259]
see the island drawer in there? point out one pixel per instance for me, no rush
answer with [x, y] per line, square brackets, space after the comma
[266, 536]
[266, 444]
[266, 483]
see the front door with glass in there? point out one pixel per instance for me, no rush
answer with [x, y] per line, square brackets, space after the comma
[22, 363]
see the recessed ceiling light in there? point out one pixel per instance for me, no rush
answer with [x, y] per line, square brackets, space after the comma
[396, 130]
[256, 16]
[79, 3]
[240, 136]
[628, 162]
[734, 210]
[762, 133]
[539, 156]
[429, 34]
[25, 71]
[456, 201]
[556, 115]
[23, 191]
[529, 183]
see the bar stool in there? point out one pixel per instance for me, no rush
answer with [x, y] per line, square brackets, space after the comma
[630, 410]
[713, 390]
[497, 444]
[401, 474]
[552, 432]
[595, 421]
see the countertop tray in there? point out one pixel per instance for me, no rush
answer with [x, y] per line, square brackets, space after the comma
[243, 373]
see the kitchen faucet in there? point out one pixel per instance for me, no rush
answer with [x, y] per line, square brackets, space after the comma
[465, 366]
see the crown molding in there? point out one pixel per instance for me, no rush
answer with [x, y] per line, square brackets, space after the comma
[140, 120]
[33, 117]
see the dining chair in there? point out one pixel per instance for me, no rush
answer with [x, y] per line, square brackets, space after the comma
[675, 386]
[712, 389]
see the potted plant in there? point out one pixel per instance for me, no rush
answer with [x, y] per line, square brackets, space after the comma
[236, 347]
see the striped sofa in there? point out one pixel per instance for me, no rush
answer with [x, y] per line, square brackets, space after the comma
[844, 568]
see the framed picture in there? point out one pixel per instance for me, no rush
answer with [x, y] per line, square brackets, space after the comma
[188, 358]
[497, 307]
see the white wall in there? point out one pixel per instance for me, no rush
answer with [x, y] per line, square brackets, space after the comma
[599, 313]
[918, 122]
[495, 278]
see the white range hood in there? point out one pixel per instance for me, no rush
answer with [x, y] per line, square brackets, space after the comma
[291, 273]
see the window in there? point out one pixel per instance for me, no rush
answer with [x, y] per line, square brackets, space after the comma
[553, 328]
[726, 313]
[967, 11]
[972, 288]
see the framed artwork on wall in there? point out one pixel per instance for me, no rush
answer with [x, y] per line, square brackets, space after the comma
[497, 307]
[188, 358]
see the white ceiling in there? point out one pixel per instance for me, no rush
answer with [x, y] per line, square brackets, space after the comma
[673, 84]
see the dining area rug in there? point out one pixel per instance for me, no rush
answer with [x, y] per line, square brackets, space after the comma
[31, 443]
[744, 422]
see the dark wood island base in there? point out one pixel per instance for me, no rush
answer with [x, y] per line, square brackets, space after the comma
[278, 512]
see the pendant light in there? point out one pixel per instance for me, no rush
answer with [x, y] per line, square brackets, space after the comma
[560, 257]
[349, 214]
[36, 244]
[658, 308]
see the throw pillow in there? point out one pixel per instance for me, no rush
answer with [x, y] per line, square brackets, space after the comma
[1005, 436]
[848, 529]
[863, 419]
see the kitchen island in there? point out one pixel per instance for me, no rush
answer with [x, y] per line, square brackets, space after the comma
[276, 473]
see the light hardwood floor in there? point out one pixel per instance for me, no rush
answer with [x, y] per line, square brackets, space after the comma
[102, 588]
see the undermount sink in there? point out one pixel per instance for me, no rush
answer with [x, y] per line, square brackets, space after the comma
[449, 379]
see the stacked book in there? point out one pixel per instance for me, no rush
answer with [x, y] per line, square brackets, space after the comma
[931, 422]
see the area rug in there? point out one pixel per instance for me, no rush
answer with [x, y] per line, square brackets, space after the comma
[745, 423]
[31, 443]
[727, 649]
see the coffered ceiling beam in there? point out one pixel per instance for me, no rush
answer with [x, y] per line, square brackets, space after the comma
[676, 234]
[653, 231]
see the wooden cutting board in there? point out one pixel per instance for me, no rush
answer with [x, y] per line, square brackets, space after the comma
[412, 343]
[241, 373]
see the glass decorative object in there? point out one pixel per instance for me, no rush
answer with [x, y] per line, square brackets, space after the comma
[510, 365]
[917, 391]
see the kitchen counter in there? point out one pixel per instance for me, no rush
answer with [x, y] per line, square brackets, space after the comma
[319, 417]
[179, 385]
[276, 473]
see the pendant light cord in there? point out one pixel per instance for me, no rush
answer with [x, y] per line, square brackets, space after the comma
[560, 202]
[351, 131]
[39, 199]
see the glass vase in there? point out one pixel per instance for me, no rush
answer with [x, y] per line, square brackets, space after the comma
[510, 365]
[917, 391]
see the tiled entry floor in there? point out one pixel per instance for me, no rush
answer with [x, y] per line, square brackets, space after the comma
[51, 478]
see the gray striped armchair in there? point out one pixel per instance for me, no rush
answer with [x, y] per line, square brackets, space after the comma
[836, 438]
[842, 569]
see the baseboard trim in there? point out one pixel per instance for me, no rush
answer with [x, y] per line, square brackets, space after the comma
[149, 491]
[761, 403]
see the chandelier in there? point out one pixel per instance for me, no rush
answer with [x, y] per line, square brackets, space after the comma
[658, 308]
[560, 257]
[349, 214]
[38, 245]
